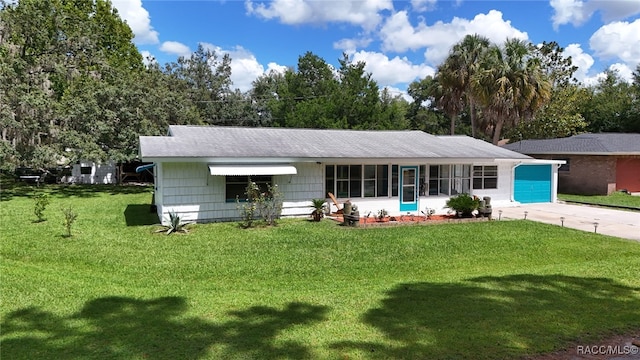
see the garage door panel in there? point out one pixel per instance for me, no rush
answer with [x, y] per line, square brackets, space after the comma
[628, 174]
[532, 183]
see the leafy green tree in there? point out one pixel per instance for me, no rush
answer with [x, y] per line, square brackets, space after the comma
[44, 48]
[609, 105]
[265, 95]
[423, 113]
[632, 123]
[314, 95]
[103, 119]
[40, 202]
[393, 112]
[26, 53]
[558, 67]
[307, 96]
[205, 79]
[562, 115]
[357, 98]
[163, 103]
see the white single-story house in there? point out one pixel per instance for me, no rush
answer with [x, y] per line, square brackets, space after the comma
[200, 170]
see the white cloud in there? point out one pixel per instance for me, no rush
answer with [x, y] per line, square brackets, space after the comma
[245, 68]
[175, 48]
[137, 17]
[394, 91]
[623, 70]
[585, 62]
[350, 45]
[582, 60]
[364, 13]
[577, 12]
[618, 9]
[569, 11]
[399, 35]
[620, 40]
[275, 67]
[394, 71]
[423, 5]
[147, 57]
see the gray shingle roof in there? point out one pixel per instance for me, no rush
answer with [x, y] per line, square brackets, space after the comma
[604, 143]
[245, 142]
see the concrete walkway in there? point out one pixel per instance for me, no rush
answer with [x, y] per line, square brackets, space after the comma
[624, 224]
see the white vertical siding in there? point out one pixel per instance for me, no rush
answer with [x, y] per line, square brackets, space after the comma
[158, 182]
[503, 194]
[190, 190]
[299, 189]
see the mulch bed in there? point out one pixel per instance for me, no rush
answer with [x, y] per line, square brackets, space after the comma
[406, 219]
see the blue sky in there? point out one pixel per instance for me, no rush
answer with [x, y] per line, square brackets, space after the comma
[400, 41]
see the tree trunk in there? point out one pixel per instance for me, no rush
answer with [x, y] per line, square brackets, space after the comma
[453, 124]
[497, 130]
[472, 109]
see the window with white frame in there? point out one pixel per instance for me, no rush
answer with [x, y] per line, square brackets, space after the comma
[394, 180]
[235, 186]
[329, 179]
[370, 181]
[353, 181]
[485, 177]
[449, 179]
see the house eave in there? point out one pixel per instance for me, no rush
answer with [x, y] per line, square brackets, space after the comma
[620, 153]
[342, 160]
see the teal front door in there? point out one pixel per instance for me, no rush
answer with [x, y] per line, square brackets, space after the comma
[408, 188]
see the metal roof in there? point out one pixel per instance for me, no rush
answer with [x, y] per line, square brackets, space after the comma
[187, 141]
[597, 144]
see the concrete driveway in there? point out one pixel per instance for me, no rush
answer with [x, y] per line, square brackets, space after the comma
[624, 224]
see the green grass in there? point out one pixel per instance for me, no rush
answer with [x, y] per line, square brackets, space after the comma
[615, 199]
[116, 290]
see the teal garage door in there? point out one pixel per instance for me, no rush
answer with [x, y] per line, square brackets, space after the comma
[532, 184]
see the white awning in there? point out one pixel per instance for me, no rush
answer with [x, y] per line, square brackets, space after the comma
[248, 170]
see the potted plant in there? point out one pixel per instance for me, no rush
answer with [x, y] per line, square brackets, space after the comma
[463, 205]
[382, 215]
[318, 209]
[428, 212]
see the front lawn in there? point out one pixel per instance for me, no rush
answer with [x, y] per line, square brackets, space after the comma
[615, 199]
[115, 290]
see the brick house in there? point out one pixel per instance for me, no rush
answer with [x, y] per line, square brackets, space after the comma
[597, 164]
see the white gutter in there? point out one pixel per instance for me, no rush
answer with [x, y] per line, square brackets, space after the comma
[513, 181]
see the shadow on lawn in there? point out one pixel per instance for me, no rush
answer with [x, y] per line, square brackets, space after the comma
[120, 327]
[140, 215]
[11, 189]
[497, 317]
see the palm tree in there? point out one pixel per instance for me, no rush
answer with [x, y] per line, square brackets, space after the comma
[510, 85]
[462, 64]
[447, 93]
